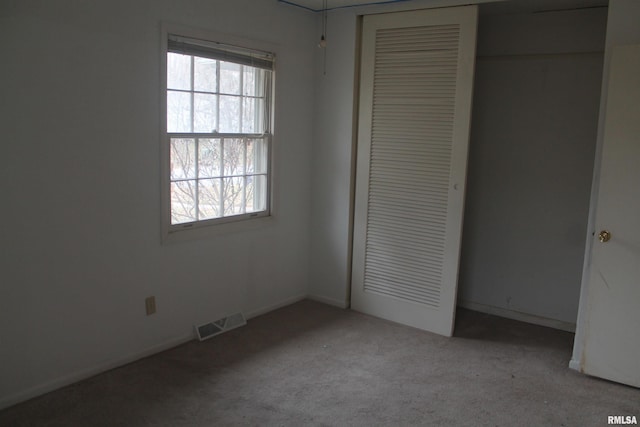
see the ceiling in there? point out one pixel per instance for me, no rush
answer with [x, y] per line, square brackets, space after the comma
[499, 6]
[317, 5]
[530, 6]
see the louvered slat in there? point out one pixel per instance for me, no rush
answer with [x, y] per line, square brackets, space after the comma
[414, 88]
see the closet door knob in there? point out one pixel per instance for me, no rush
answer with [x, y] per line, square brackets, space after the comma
[604, 236]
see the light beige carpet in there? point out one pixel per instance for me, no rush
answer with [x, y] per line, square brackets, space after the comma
[311, 364]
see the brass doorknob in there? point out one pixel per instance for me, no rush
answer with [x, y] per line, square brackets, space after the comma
[604, 236]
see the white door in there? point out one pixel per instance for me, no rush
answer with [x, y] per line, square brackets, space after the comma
[413, 133]
[612, 317]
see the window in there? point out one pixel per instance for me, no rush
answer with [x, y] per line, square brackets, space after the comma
[219, 132]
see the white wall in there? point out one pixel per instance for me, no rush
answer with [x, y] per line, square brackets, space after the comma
[533, 135]
[622, 29]
[332, 163]
[80, 186]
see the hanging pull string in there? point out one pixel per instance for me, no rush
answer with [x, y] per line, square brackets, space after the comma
[323, 37]
[324, 18]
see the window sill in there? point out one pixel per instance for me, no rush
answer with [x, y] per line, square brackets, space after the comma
[214, 230]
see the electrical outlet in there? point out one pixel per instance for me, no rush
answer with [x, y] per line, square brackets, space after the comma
[150, 305]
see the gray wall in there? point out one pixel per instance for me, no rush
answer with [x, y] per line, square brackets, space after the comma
[534, 124]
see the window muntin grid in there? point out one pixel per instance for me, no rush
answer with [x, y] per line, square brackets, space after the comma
[217, 177]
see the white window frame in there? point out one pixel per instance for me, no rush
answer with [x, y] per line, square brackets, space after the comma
[211, 227]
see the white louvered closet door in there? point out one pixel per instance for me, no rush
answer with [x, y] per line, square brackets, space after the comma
[415, 104]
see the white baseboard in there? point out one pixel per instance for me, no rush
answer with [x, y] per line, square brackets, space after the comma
[82, 374]
[575, 365]
[516, 315]
[272, 307]
[329, 301]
